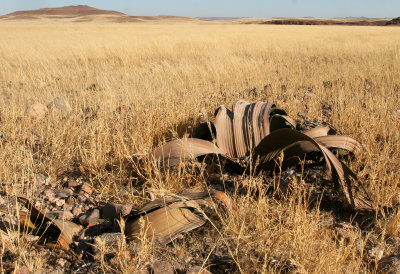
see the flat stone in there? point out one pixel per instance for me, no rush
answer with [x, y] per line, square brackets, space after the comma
[109, 240]
[61, 262]
[70, 200]
[60, 104]
[72, 183]
[37, 111]
[60, 202]
[112, 211]
[82, 198]
[76, 211]
[49, 193]
[65, 193]
[90, 217]
[40, 179]
[86, 188]
[62, 214]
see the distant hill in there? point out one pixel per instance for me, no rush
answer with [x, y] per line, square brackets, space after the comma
[80, 10]
[343, 22]
[83, 13]
[395, 21]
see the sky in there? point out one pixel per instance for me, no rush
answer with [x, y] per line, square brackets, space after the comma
[226, 8]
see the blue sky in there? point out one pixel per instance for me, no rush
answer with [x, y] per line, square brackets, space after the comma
[228, 8]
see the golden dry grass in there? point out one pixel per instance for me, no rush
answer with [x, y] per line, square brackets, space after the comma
[151, 78]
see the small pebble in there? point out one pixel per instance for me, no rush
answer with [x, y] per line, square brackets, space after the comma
[76, 211]
[40, 179]
[61, 262]
[110, 240]
[90, 217]
[86, 188]
[112, 211]
[70, 200]
[60, 202]
[82, 198]
[72, 183]
[65, 193]
[49, 193]
[37, 111]
[62, 214]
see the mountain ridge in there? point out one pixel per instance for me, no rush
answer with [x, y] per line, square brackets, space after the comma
[78, 10]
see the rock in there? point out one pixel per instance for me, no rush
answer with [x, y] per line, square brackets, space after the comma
[59, 202]
[62, 214]
[65, 193]
[72, 183]
[37, 111]
[2, 201]
[83, 170]
[82, 198]
[86, 188]
[389, 264]
[112, 211]
[61, 262]
[59, 104]
[49, 193]
[70, 200]
[90, 217]
[40, 179]
[76, 211]
[108, 240]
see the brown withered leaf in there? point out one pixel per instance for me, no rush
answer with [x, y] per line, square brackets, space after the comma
[317, 131]
[64, 229]
[262, 131]
[172, 153]
[187, 195]
[239, 131]
[294, 144]
[169, 216]
[166, 223]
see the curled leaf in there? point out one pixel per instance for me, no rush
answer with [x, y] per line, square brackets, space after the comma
[294, 143]
[317, 131]
[172, 153]
[64, 229]
[239, 131]
[165, 224]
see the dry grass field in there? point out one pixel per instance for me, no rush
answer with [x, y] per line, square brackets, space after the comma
[132, 87]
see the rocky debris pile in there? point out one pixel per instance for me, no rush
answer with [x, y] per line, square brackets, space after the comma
[67, 217]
